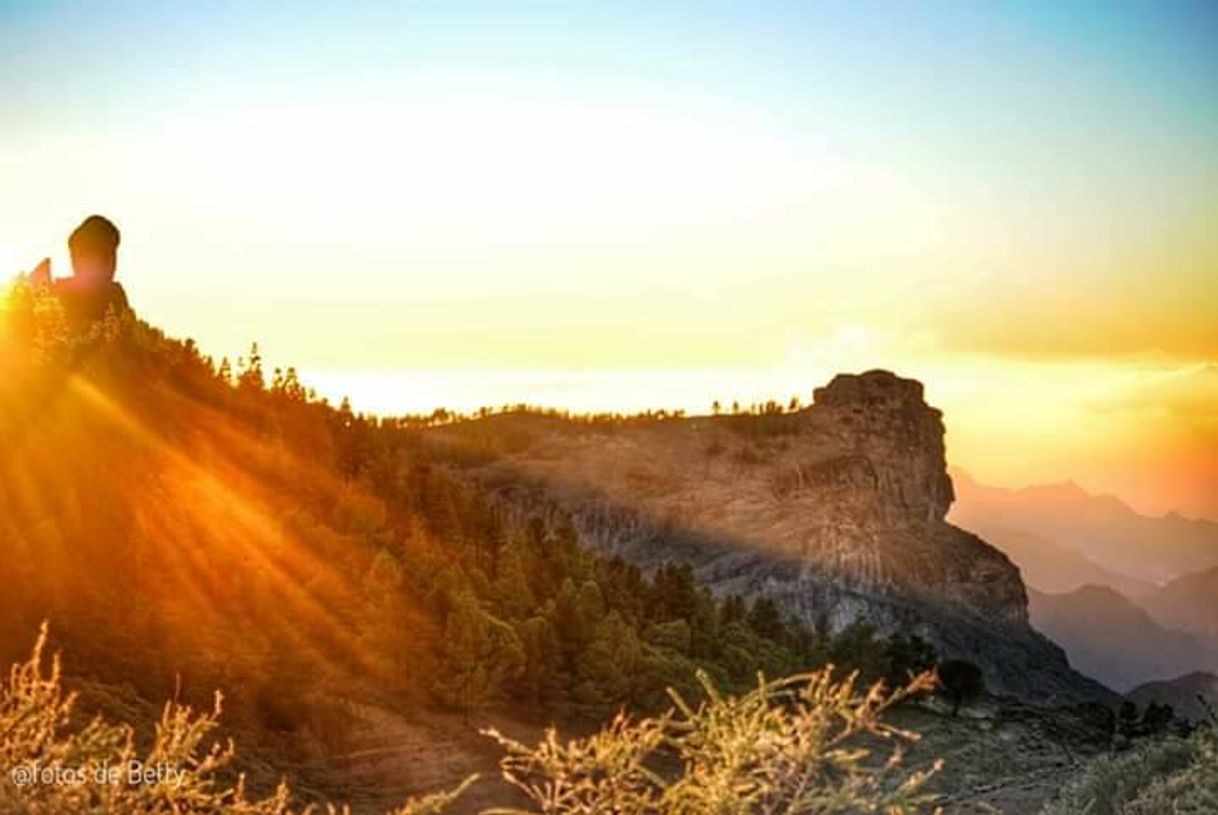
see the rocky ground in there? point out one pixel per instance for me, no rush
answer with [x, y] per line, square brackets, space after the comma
[1000, 756]
[1008, 759]
[1003, 758]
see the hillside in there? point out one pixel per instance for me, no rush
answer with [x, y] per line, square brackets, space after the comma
[1110, 638]
[1189, 603]
[1182, 694]
[834, 512]
[186, 526]
[368, 593]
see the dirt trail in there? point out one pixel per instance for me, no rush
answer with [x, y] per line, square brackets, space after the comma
[384, 757]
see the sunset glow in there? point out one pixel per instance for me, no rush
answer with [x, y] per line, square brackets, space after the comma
[463, 208]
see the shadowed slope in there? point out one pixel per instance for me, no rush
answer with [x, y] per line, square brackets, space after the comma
[835, 512]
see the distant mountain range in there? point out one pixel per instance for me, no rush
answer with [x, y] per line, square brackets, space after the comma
[1189, 603]
[1131, 598]
[1059, 522]
[1113, 640]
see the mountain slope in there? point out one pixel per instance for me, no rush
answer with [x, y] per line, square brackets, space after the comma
[1100, 527]
[1112, 639]
[1045, 565]
[1189, 603]
[1181, 693]
[835, 512]
[185, 528]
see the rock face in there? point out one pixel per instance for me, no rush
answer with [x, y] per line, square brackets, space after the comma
[881, 490]
[835, 511]
[901, 437]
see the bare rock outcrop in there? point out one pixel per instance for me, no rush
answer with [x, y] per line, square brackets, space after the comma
[835, 511]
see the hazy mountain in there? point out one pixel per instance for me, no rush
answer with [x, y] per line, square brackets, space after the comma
[1047, 566]
[1181, 693]
[1189, 603]
[1063, 518]
[1115, 641]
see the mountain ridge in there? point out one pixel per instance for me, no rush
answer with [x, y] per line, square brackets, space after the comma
[1182, 694]
[1188, 602]
[1116, 640]
[836, 510]
[1108, 532]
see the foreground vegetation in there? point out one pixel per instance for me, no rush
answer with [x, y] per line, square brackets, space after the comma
[800, 746]
[785, 747]
[1167, 776]
[52, 764]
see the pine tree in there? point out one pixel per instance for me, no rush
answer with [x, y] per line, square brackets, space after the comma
[251, 378]
[765, 619]
[962, 682]
[544, 679]
[607, 667]
[481, 653]
[513, 596]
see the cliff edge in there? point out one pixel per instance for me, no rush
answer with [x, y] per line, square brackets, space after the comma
[835, 511]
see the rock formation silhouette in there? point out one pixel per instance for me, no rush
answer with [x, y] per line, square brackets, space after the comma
[91, 291]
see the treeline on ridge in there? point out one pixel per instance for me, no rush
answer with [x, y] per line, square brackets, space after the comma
[184, 525]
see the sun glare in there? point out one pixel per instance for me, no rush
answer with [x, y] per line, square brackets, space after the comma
[10, 266]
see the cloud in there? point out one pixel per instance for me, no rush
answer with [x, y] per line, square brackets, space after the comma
[1189, 393]
[1062, 326]
[1126, 302]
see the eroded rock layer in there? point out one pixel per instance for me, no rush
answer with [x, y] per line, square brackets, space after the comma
[835, 511]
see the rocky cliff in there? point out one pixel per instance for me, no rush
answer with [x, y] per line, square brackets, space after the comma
[835, 511]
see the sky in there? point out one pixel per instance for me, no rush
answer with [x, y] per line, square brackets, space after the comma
[621, 206]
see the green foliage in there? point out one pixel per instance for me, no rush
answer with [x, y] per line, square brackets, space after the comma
[1110, 783]
[1162, 776]
[794, 747]
[482, 653]
[1154, 720]
[906, 657]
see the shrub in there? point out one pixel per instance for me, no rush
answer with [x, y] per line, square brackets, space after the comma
[48, 766]
[1172, 776]
[791, 747]
[961, 682]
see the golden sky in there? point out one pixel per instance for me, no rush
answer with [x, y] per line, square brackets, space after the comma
[633, 208]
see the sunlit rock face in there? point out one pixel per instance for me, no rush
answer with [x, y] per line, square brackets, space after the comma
[876, 492]
[885, 422]
[835, 511]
